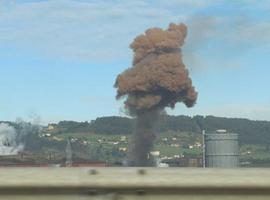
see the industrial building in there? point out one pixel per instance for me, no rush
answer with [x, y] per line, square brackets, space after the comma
[221, 149]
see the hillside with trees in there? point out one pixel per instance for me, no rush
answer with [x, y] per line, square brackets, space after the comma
[250, 131]
[107, 138]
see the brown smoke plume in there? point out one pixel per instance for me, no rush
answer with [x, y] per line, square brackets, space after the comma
[158, 79]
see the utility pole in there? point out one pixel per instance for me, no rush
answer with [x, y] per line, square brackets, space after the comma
[203, 145]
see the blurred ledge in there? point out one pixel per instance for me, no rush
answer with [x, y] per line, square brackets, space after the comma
[157, 183]
[134, 177]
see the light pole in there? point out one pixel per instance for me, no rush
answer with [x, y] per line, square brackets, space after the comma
[203, 145]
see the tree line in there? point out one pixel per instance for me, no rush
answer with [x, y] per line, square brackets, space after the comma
[250, 131]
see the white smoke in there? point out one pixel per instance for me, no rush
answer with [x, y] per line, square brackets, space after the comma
[8, 144]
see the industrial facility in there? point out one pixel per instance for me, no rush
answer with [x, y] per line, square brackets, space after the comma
[221, 149]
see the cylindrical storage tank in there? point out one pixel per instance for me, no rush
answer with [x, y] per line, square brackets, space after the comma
[221, 150]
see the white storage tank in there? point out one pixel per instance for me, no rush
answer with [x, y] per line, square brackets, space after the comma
[221, 150]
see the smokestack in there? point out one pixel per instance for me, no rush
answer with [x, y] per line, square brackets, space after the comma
[157, 79]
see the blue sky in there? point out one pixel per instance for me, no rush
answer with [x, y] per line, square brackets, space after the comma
[59, 58]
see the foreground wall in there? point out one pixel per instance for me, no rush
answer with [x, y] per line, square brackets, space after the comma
[134, 183]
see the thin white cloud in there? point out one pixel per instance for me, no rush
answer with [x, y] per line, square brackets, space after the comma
[79, 30]
[190, 3]
[94, 30]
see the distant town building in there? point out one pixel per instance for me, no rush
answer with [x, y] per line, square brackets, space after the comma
[46, 135]
[123, 138]
[155, 153]
[164, 139]
[198, 144]
[183, 161]
[122, 149]
[221, 131]
[50, 128]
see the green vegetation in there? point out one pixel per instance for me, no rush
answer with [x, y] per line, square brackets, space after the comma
[250, 131]
[107, 138]
[255, 155]
[185, 130]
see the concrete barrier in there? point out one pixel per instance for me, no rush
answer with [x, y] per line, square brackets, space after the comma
[134, 183]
